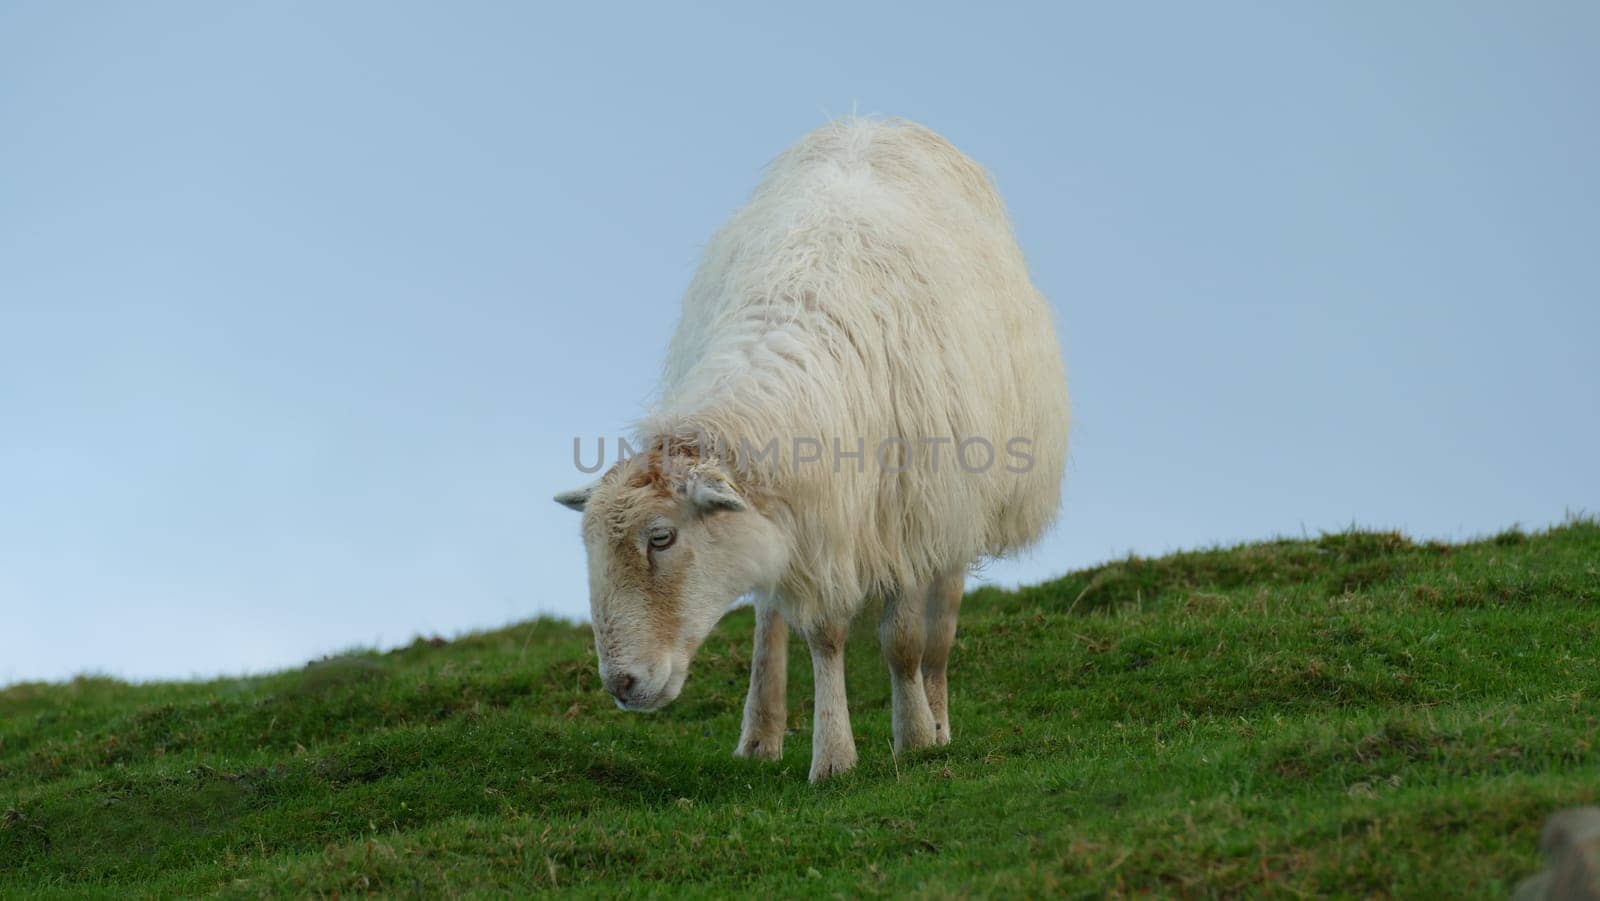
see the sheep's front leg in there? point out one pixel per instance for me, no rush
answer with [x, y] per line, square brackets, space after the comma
[766, 706]
[833, 747]
[902, 633]
[944, 608]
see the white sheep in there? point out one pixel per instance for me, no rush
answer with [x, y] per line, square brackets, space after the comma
[864, 397]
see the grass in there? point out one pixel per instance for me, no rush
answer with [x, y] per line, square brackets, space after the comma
[1353, 715]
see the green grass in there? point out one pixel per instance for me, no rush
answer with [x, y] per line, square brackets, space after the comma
[1357, 714]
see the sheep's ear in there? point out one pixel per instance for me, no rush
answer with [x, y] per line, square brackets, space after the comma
[577, 498]
[712, 491]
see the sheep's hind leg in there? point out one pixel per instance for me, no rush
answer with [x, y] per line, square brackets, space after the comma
[902, 633]
[766, 706]
[944, 608]
[833, 747]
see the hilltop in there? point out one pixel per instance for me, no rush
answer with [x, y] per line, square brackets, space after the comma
[1352, 714]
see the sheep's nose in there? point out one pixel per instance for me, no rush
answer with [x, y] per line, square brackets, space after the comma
[621, 686]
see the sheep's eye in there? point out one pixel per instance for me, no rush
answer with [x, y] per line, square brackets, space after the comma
[661, 539]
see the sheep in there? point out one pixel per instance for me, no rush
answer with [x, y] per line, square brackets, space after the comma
[863, 399]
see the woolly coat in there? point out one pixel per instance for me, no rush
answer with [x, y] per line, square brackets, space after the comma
[870, 298]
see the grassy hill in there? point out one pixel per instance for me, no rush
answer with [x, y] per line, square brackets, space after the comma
[1354, 714]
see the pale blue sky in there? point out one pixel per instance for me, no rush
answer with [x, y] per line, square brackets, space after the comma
[301, 304]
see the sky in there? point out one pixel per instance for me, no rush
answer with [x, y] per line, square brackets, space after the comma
[302, 304]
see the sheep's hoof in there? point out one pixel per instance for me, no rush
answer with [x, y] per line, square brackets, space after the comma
[914, 729]
[757, 748]
[826, 766]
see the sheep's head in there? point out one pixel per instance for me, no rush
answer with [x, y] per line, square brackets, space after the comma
[672, 544]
